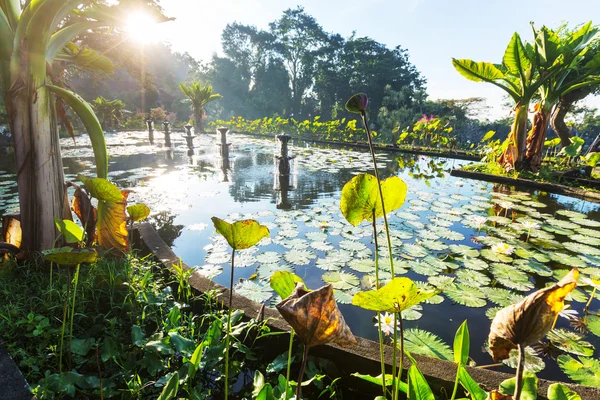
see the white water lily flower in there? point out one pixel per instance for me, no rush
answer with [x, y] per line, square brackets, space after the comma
[503, 248]
[506, 205]
[530, 225]
[387, 323]
[478, 220]
[568, 313]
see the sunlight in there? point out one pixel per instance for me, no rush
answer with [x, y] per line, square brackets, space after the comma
[142, 28]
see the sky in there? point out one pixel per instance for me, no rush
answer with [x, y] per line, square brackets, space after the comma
[433, 31]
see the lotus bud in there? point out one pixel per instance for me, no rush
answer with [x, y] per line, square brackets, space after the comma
[528, 321]
[315, 317]
[358, 103]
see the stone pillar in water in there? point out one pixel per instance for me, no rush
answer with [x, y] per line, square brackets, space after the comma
[224, 145]
[167, 133]
[282, 183]
[149, 122]
[188, 137]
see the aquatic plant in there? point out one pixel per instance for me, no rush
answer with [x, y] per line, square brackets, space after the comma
[240, 235]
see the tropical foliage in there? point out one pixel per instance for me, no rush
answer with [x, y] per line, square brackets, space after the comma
[199, 96]
[551, 66]
[109, 112]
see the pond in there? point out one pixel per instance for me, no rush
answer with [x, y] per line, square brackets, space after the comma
[485, 245]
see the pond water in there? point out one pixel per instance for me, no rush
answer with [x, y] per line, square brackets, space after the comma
[468, 237]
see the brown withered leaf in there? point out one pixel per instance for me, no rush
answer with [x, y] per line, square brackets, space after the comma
[315, 317]
[85, 211]
[111, 225]
[496, 395]
[11, 230]
[528, 321]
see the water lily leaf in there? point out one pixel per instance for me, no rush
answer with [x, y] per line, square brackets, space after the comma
[209, 270]
[70, 256]
[321, 246]
[566, 259]
[528, 321]
[398, 295]
[465, 295]
[592, 241]
[475, 263]
[360, 197]
[586, 222]
[241, 234]
[284, 283]
[363, 265]
[510, 277]
[316, 236]
[299, 257]
[593, 324]
[138, 212]
[425, 343]
[558, 391]
[583, 370]
[352, 245]
[571, 214]
[580, 248]
[268, 257]
[252, 290]
[501, 296]
[463, 250]
[315, 317]
[570, 342]
[341, 280]
[69, 229]
[472, 278]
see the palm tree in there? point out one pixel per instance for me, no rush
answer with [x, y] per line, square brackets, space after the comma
[109, 111]
[199, 95]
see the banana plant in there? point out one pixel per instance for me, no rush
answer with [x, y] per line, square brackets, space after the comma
[199, 95]
[110, 111]
[573, 64]
[36, 38]
[518, 77]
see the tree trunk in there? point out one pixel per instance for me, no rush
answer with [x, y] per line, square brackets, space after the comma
[198, 114]
[514, 155]
[535, 141]
[557, 121]
[40, 176]
[560, 112]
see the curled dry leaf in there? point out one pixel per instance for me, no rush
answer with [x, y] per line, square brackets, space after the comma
[85, 211]
[112, 224]
[357, 103]
[496, 395]
[315, 317]
[528, 321]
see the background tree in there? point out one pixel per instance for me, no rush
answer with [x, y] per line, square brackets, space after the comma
[109, 112]
[199, 95]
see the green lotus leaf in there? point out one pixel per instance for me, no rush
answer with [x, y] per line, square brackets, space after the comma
[360, 197]
[241, 234]
[70, 256]
[284, 283]
[70, 230]
[396, 296]
[558, 391]
[138, 212]
[102, 189]
[529, 388]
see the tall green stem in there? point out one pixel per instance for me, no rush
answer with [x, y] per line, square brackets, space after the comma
[301, 374]
[64, 322]
[394, 355]
[381, 344]
[587, 305]
[289, 363]
[401, 355]
[389, 240]
[520, 365]
[229, 325]
[76, 281]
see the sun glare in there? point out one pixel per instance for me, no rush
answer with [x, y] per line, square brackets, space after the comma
[142, 28]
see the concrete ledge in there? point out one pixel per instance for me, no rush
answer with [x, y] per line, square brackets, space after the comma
[13, 385]
[362, 357]
[529, 184]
